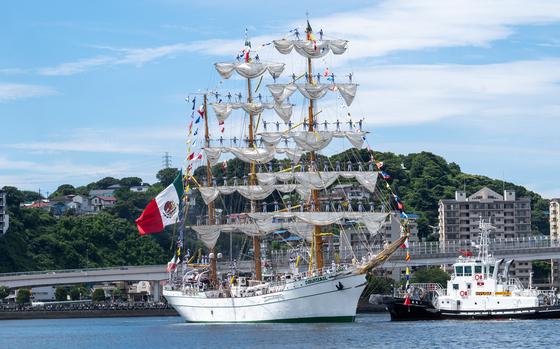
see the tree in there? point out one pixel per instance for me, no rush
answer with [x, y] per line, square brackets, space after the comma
[23, 296]
[78, 292]
[65, 189]
[130, 181]
[4, 292]
[118, 294]
[430, 275]
[167, 175]
[14, 197]
[29, 196]
[106, 182]
[61, 294]
[98, 295]
[378, 285]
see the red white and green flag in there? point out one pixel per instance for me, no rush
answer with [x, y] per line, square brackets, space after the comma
[163, 210]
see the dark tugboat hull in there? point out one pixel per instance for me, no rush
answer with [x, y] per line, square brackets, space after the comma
[417, 310]
[425, 311]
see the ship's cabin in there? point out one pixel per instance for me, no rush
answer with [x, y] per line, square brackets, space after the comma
[470, 269]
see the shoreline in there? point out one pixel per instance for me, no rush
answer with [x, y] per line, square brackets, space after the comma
[104, 313]
[57, 314]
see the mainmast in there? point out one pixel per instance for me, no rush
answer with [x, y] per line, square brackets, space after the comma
[253, 176]
[318, 239]
[211, 209]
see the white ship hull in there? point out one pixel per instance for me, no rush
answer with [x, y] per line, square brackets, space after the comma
[319, 299]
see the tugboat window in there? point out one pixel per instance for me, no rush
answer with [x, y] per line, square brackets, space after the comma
[455, 286]
[459, 271]
[478, 269]
[468, 270]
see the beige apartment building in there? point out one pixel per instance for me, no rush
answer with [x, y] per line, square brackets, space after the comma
[459, 219]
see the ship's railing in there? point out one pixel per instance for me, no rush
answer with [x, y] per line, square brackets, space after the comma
[420, 291]
[512, 281]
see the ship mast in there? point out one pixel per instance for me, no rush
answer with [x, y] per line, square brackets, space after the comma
[253, 178]
[318, 240]
[211, 209]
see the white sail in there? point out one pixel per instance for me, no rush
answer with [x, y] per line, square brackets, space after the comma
[313, 140]
[281, 91]
[249, 70]
[322, 218]
[311, 49]
[223, 110]
[320, 180]
[252, 192]
[313, 91]
[257, 155]
[210, 233]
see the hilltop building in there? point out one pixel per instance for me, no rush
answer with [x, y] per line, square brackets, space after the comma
[554, 217]
[459, 218]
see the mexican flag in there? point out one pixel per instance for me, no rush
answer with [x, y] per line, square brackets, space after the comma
[163, 210]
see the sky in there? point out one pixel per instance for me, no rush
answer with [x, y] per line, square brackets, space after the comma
[95, 89]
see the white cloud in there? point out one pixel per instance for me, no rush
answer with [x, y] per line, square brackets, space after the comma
[409, 94]
[392, 25]
[76, 67]
[11, 92]
[116, 141]
[50, 174]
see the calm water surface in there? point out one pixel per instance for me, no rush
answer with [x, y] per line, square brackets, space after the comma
[369, 331]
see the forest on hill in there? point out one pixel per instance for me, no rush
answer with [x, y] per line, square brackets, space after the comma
[37, 240]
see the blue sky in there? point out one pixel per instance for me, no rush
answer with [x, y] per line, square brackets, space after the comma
[94, 89]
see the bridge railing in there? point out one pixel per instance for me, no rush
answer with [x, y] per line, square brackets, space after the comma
[83, 270]
[451, 248]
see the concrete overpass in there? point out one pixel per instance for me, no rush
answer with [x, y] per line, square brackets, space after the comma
[422, 253]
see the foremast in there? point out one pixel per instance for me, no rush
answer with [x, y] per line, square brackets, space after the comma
[211, 208]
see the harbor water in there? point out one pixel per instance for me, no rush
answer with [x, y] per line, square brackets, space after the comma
[369, 331]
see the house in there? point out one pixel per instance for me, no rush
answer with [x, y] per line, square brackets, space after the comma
[100, 202]
[140, 188]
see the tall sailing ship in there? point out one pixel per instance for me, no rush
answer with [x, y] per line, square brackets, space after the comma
[319, 291]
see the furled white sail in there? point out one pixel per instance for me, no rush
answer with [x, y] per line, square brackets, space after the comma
[257, 155]
[251, 192]
[347, 91]
[249, 70]
[209, 234]
[319, 180]
[313, 91]
[322, 218]
[313, 140]
[281, 91]
[223, 110]
[311, 49]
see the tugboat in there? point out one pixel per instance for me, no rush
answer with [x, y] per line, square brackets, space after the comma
[475, 291]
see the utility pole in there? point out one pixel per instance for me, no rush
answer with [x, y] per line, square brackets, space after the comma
[166, 160]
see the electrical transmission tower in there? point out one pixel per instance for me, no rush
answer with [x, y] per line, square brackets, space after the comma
[166, 160]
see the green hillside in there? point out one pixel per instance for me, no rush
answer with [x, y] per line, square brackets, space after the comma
[38, 241]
